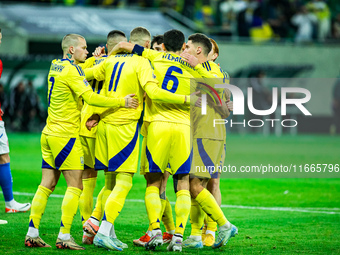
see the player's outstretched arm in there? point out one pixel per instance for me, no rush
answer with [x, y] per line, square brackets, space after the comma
[122, 47]
[94, 99]
[160, 95]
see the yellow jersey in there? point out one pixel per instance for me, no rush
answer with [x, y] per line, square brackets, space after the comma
[123, 74]
[174, 75]
[204, 124]
[126, 74]
[66, 84]
[87, 110]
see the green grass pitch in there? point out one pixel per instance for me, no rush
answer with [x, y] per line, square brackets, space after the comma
[274, 216]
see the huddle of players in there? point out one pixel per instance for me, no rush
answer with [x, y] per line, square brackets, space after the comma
[119, 82]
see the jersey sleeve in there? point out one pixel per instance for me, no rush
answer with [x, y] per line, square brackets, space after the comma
[151, 54]
[145, 72]
[149, 83]
[212, 74]
[204, 72]
[77, 81]
[94, 99]
[97, 72]
[88, 63]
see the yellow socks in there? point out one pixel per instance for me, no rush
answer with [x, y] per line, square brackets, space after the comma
[97, 211]
[110, 181]
[153, 206]
[39, 203]
[211, 224]
[167, 218]
[196, 218]
[86, 198]
[182, 209]
[208, 203]
[116, 200]
[69, 208]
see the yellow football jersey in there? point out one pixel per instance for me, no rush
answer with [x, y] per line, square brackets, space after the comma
[124, 74]
[204, 124]
[66, 84]
[175, 76]
[87, 110]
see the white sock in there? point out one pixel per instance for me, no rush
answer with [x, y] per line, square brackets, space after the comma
[11, 203]
[171, 232]
[210, 232]
[87, 234]
[105, 228]
[225, 226]
[177, 236]
[112, 232]
[196, 238]
[33, 232]
[155, 232]
[64, 236]
[94, 220]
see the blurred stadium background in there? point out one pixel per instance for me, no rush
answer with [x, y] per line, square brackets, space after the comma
[257, 39]
[260, 43]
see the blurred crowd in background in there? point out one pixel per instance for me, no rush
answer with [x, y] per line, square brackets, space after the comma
[299, 21]
[22, 107]
[302, 21]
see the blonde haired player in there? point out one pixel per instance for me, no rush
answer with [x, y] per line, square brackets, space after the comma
[60, 145]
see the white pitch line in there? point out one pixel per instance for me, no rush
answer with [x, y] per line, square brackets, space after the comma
[287, 209]
[323, 210]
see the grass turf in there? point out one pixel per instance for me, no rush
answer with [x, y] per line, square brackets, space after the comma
[261, 231]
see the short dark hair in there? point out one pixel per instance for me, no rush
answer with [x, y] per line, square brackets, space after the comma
[114, 37]
[157, 39]
[115, 33]
[203, 41]
[173, 40]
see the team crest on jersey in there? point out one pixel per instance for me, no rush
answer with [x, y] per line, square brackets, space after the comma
[86, 82]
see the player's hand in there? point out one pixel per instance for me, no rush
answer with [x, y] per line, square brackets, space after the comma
[190, 59]
[230, 105]
[131, 102]
[92, 121]
[195, 99]
[99, 52]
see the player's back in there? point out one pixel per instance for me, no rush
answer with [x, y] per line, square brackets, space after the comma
[174, 75]
[124, 74]
[66, 83]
